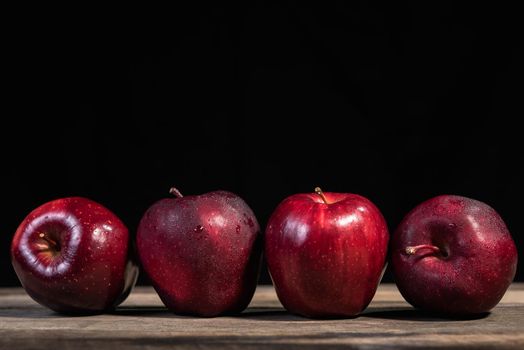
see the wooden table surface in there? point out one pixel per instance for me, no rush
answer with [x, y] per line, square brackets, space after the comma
[142, 322]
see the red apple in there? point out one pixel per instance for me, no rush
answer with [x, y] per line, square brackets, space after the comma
[453, 255]
[71, 255]
[202, 253]
[326, 253]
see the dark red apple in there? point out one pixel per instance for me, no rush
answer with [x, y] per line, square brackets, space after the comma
[202, 253]
[453, 255]
[326, 253]
[72, 255]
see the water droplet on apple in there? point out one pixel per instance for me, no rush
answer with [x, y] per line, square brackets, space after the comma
[199, 228]
[238, 229]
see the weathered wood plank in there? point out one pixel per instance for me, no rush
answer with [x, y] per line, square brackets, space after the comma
[142, 321]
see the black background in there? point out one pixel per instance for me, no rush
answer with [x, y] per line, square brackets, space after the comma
[398, 103]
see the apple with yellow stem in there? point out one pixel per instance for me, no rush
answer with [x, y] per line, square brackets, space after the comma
[326, 253]
[453, 255]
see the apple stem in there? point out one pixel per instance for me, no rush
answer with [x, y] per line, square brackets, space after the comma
[48, 239]
[175, 192]
[318, 191]
[413, 249]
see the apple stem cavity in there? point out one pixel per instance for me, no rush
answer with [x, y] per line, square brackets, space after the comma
[174, 191]
[318, 191]
[412, 250]
[54, 244]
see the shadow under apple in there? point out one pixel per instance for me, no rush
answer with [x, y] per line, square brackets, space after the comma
[412, 314]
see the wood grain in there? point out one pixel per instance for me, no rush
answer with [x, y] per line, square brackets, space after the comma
[143, 322]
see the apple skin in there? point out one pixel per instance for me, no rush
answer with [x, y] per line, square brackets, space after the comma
[202, 253]
[326, 260]
[473, 267]
[72, 255]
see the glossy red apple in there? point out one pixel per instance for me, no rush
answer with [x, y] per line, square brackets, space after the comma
[453, 255]
[202, 253]
[326, 253]
[72, 255]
